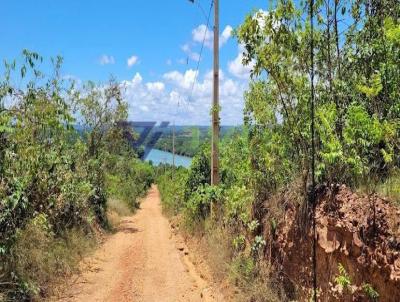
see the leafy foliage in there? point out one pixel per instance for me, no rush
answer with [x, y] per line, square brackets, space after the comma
[357, 120]
[370, 292]
[357, 99]
[342, 279]
[199, 173]
[54, 179]
[172, 189]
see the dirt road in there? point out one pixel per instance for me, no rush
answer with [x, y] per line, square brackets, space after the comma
[140, 262]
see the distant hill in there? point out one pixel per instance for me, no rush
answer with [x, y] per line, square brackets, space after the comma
[188, 139]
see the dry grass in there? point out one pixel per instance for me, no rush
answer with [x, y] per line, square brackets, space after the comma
[389, 188]
[119, 207]
[116, 209]
[263, 287]
[219, 245]
[251, 278]
[254, 279]
[41, 260]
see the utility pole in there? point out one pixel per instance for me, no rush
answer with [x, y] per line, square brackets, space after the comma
[215, 103]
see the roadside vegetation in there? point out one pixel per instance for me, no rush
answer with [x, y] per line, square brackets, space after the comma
[67, 172]
[56, 180]
[266, 168]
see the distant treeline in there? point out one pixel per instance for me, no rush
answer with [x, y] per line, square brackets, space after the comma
[188, 139]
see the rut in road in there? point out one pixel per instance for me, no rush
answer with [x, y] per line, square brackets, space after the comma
[140, 262]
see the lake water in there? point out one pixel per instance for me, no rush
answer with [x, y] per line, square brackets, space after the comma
[160, 157]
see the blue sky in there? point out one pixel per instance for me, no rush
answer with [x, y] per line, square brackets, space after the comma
[161, 39]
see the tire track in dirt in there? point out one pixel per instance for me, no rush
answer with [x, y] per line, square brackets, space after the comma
[140, 262]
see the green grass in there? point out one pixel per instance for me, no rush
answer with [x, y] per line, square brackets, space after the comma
[391, 188]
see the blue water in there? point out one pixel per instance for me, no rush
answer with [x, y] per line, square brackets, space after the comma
[160, 157]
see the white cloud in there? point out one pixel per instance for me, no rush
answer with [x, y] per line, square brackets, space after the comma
[155, 86]
[175, 98]
[181, 80]
[226, 35]
[132, 60]
[183, 61]
[106, 59]
[191, 54]
[72, 78]
[201, 33]
[144, 108]
[261, 15]
[137, 80]
[237, 68]
[185, 47]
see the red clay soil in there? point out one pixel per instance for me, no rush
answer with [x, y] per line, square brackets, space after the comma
[358, 231]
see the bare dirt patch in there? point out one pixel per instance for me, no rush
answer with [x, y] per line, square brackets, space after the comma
[142, 261]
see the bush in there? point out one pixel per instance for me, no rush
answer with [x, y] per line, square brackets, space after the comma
[237, 205]
[38, 257]
[199, 205]
[172, 190]
[199, 172]
[243, 270]
[53, 173]
[135, 176]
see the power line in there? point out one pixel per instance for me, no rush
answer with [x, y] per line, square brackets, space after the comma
[201, 51]
[200, 7]
[208, 17]
[215, 103]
